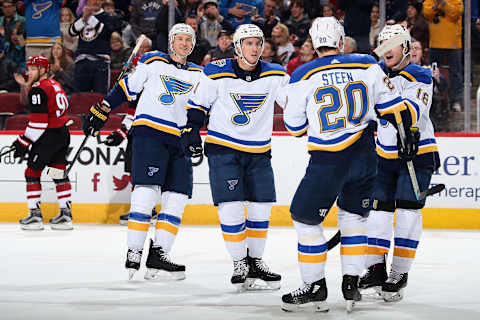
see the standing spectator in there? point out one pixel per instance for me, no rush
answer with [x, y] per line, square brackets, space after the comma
[269, 20]
[15, 50]
[350, 45]
[374, 25]
[7, 69]
[201, 45]
[285, 48]
[161, 26]
[445, 34]
[191, 7]
[396, 11]
[62, 67]
[92, 58]
[11, 19]
[328, 10]
[223, 50]
[416, 23]
[298, 24]
[240, 11]
[42, 25]
[313, 8]
[357, 21]
[109, 7]
[307, 54]
[269, 53]
[66, 19]
[119, 52]
[212, 23]
[143, 16]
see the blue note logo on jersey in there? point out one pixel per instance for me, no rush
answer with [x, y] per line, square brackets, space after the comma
[231, 184]
[246, 103]
[384, 123]
[152, 171]
[173, 86]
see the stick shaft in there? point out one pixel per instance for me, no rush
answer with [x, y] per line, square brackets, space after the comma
[134, 53]
[76, 155]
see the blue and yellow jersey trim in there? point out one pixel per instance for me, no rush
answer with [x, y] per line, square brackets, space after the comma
[333, 145]
[234, 233]
[192, 105]
[405, 248]
[130, 95]
[416, 73]
[223, 75]
[157, 124]
[391, 106]
[391, 152]
[195, 69]
[297, 131]
[272, 69]
[220, 69]
[414, 110]
[257, 229]
[153, 56]
[237, 144]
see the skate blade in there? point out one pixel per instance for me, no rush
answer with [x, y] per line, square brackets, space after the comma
[254, 284]
[36, 226]
[131, 272]
[319, 306]
[392, 296]
[372, 293]
[159, 275]
[124, 222]
[62, 226]
[240, 287]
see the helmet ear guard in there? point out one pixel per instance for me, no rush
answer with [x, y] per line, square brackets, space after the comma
[247, 31]
[180, 28]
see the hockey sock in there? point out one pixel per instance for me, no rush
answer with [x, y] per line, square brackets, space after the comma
[258, 217]
[232, 222]
[142, 201]
[64, 191]
[407, 234]
[169, 219]
[312, 251]
[353, 245]
[380, 229]
[34, 188]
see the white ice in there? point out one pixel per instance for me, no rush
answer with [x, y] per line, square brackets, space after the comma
[79, 274]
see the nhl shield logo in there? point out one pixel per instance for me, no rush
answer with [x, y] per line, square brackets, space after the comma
[231, 184]
[365, 203]
[152, 171]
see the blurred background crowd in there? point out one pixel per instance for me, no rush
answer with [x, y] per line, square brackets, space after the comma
[88, 41]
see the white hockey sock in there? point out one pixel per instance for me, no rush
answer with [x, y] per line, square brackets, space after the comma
[312, 251]
[169, 219]
[143, 199]
[353, 248]
[232, 222]
[380, 229]
[407, 235]
[258, 217]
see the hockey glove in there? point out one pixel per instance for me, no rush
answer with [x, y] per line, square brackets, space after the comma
[95, 120]
[191, 141]
[116, 137]
[21, 146]
[408, 152]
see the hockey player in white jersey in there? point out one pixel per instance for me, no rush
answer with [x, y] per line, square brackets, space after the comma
[159, 162]
[393, 190]
[239, 95]
[334, 99]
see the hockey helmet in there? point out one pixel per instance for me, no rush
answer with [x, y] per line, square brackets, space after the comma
[180, 28]
[247, 31]
[39, 61]
[327, 32]
[392, 36]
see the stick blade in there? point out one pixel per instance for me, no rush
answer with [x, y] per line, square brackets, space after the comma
[431, 191]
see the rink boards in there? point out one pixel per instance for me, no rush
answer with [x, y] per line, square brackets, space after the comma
[101, 190]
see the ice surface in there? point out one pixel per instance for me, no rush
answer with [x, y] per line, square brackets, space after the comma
[79, 274]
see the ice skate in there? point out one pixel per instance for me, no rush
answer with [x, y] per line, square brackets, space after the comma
[33, 221]
[371, 282]
[240, 272]
[158, 261]
[63, 221]
[350, 291]
[132, 264]
[310, 295]
[258, 270]
[393, 288]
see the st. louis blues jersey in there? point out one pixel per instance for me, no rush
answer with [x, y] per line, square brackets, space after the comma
[334, 99]
[240, 106]
[166, 88]
[414, 83]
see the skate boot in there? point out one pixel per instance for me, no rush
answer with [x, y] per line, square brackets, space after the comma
[373, 279]
[309, 295]
[240, 272]
[393, 288]
[63, 221]
[350, 291]
[124, 219]
[132, 264]
[33, 221]
[158, 260]
[257, 269]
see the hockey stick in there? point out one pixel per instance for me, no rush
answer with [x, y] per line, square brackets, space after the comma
[133, 55]
[56, 173]
[7, 152]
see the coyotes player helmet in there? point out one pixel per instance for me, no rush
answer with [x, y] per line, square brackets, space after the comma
[39, 61]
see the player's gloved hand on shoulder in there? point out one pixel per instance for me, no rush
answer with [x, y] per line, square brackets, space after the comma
[95, 119]
[116, 137]
[408, 152]
[192, 142]
[21, 146]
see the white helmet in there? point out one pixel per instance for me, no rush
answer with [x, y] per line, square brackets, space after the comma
[392, 36]
[327, 32]
[247, 31]
[180, 28]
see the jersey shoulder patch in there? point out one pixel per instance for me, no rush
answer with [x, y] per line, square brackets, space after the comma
[415, 73]
[272, 69]
[220, 69]
[152, 56]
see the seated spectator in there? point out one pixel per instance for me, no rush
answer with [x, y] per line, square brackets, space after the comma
[269, 20]
[240, 11]
[15, 50]
[119, 52]
[285, 49]
[66, 19]
[201, 45]
[212, 23]
[298, 24]
[7, 69]
[374, 25]
[161, 27]
[62, 67]
[11, 19]
[306, 54]
[270, 52]
[223, 50]
[417, 24]
[350, 45]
